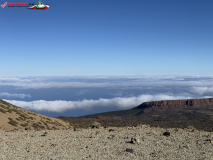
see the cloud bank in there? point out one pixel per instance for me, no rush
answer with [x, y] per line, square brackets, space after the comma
[119, 92]
[39, 82]
[14, 95]
[202, 90]
[118, 103]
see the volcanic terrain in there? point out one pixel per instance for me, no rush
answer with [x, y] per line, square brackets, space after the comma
[192, 113]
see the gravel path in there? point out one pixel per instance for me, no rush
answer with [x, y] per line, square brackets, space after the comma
[107, 143]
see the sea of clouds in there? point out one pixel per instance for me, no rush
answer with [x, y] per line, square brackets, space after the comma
[124, 92]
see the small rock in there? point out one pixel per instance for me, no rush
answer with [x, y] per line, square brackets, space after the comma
[97, 132]
[129, 150]
[111, 130]
[208, 140]
[135, 140]
[111, 136]
[77, 129]
[53, 145]
[187, 146]
[166, 134]
[179, 129]
[89, 156]
[153, 154]
[193, 130]
[144, 126]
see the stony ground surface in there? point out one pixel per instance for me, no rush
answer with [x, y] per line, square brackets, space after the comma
[142, 142]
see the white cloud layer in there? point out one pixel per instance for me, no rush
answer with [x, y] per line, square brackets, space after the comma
[118, 102]
[202, 90]
[14, 95]
[39, 82]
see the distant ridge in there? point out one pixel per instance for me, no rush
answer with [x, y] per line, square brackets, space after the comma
[177, 103]
[167, 114]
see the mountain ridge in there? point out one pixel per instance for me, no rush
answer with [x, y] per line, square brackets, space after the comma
[177, 103]
[167, 114]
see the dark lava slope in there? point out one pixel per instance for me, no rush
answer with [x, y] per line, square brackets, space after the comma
[167, 114]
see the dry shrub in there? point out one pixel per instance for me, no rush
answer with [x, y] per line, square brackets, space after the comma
[96, 125]
[191, 127]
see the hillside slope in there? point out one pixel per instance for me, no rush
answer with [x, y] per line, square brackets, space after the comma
[13, 117]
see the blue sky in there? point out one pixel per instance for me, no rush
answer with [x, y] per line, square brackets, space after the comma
[108, 37]
[82, 56]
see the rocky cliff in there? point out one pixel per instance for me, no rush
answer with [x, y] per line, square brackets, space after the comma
[177, 103]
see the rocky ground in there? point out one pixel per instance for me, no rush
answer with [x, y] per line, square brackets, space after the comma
[141, 142]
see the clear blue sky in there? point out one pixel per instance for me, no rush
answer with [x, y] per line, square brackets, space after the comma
[108, 37]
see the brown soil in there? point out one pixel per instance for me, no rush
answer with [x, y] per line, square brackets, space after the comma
[16, 118]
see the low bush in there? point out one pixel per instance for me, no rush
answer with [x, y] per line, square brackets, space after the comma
[2, 110]
[24, 124]
[12, 122]
[37, 126]
[96, 125]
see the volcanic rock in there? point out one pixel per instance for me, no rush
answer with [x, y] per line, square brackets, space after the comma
[177, 103]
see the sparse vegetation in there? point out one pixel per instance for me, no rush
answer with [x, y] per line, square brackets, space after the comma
[46, 124]
[37, 126]
[24, 124]
[54, 128]
[31, 113]
[191, 127]
[12, 122]
[48, 119]
[22, 116]
[3, 106]
[17, 119]
[31, 118]
[10, 110]
[2, 110]
[3, 102]
[96, 125]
